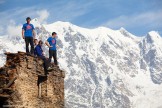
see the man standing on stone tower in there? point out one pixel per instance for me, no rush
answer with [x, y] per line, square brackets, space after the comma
[51, 43]
[28, 34]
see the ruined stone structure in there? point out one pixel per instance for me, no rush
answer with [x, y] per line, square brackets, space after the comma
[23, 83]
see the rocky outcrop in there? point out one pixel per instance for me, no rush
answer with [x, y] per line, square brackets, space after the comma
[23, 83]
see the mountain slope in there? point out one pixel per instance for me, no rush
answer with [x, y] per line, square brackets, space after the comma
[104, 68]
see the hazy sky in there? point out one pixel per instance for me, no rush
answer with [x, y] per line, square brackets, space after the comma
[136, 16]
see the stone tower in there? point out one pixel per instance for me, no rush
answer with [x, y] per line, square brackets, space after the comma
[23, 83]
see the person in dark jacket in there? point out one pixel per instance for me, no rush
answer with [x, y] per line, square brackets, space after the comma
[38, 50]
[39, 53]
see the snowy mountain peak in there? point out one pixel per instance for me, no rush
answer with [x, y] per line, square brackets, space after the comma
[122, 29]
[153, 37]
[61, 24]
[153, 33]
[124, 32]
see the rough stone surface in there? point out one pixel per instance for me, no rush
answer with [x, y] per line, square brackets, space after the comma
[23, 83]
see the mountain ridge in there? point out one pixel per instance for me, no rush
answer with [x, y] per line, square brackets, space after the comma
[105, 67]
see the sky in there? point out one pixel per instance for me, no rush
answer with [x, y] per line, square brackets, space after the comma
[136, 16]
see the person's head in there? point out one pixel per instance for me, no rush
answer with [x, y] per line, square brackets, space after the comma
[40, 43]
[54, 34]
[35, 41]
[28, 19]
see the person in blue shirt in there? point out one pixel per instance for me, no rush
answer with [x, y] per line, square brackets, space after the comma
[51, 43]
[39, 53]
[28, 34]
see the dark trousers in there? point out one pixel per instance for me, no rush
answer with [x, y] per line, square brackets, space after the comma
[53, 53]
[29, 40]
[45, 63]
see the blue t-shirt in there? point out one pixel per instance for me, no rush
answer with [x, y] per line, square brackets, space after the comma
[52, 42]
[38, 51]
[28, 28]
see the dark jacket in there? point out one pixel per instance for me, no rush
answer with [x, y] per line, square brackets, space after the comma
[38, 51]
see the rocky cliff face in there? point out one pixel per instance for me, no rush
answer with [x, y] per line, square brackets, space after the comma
[23, 83]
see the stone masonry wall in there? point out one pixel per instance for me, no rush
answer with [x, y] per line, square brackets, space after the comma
[23, 83]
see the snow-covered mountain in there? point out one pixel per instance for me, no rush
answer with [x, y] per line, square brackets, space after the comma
[105, 68]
